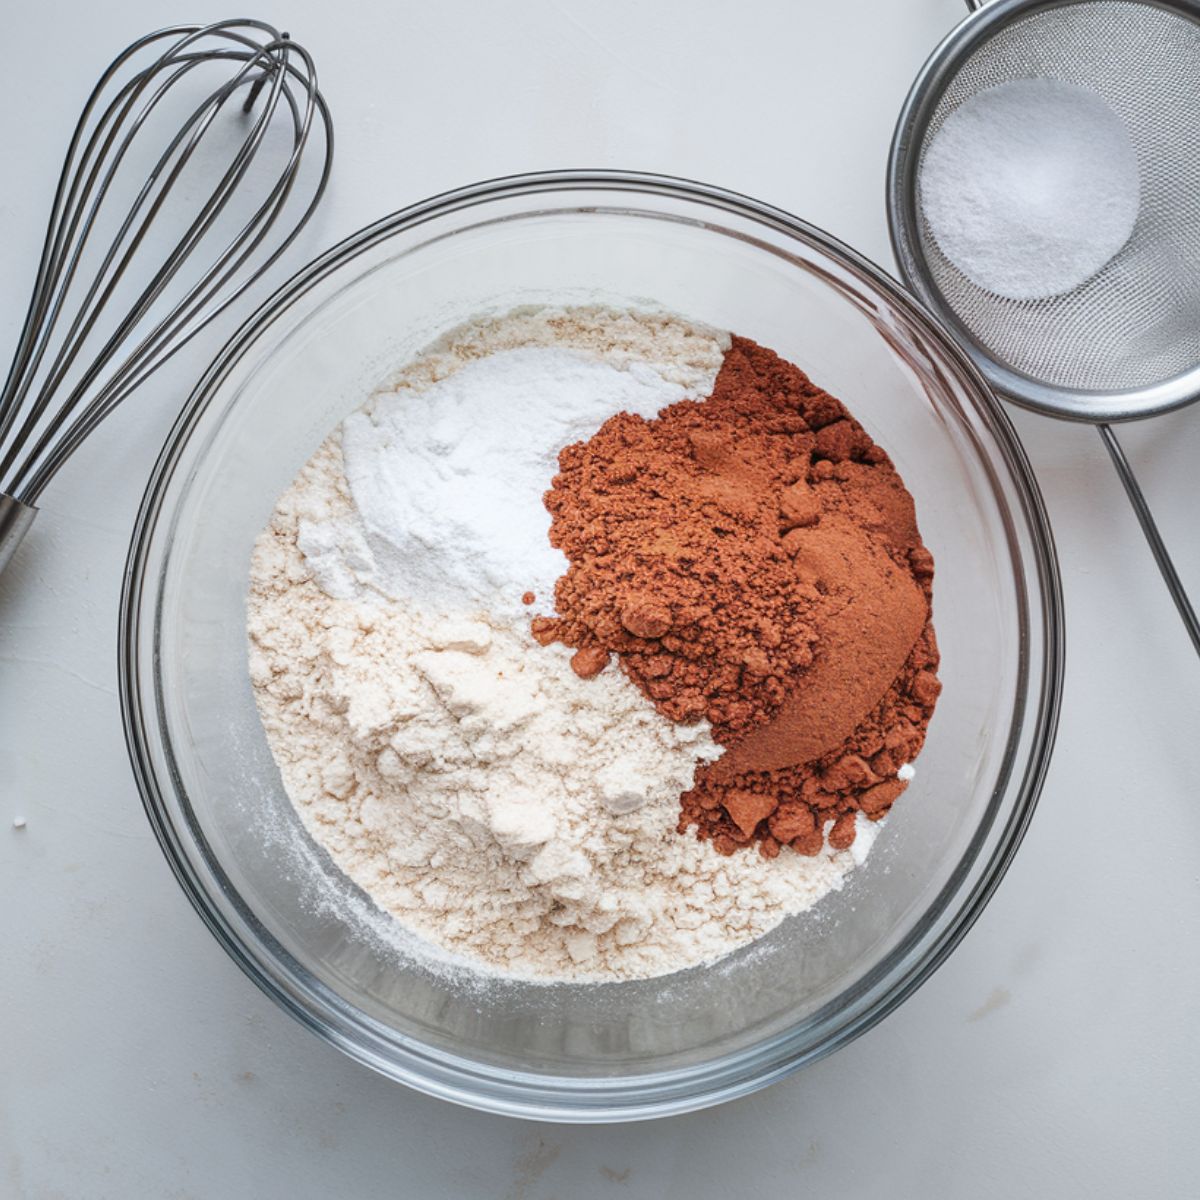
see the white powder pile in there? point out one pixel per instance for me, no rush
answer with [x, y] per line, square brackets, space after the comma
[447, 472]
[1031, 187]
[460, 773]
[448, 483]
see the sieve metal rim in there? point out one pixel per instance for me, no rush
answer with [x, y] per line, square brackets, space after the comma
[942, 66]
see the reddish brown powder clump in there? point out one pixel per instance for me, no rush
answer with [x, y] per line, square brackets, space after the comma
[753, 558]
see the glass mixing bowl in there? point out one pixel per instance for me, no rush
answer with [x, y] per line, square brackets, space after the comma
[303, 932]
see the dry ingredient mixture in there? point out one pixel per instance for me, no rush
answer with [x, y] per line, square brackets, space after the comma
[750, 558]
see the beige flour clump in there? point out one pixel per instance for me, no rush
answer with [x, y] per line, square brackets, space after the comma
[465, 778]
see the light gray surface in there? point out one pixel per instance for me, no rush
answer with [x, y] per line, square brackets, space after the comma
[1055, 1054]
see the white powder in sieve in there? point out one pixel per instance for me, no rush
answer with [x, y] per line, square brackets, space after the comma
[461, 774]
[1031, 187]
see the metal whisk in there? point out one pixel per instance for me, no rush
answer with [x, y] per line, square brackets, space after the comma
[154, 148]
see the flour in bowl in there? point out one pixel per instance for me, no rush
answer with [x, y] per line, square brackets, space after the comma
[491, 799]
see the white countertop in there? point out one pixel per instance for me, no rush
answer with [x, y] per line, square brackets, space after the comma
[1055, 1054]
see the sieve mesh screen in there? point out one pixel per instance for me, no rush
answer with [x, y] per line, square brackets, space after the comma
[1137, 322]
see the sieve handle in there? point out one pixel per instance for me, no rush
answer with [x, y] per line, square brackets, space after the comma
[1157, 547]
[976, 5]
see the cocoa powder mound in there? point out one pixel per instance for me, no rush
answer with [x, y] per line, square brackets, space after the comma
[753, 558]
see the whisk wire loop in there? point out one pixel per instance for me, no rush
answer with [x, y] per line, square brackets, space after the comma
[73, 364]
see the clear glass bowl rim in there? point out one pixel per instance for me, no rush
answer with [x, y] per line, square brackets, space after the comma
[461, 1080]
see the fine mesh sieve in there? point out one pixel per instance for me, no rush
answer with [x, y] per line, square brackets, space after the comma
[1126, 343]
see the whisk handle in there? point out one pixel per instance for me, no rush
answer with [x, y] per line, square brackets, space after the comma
[1150, 529]
[15, 520]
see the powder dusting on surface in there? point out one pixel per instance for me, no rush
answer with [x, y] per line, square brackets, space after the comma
[469, 781]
